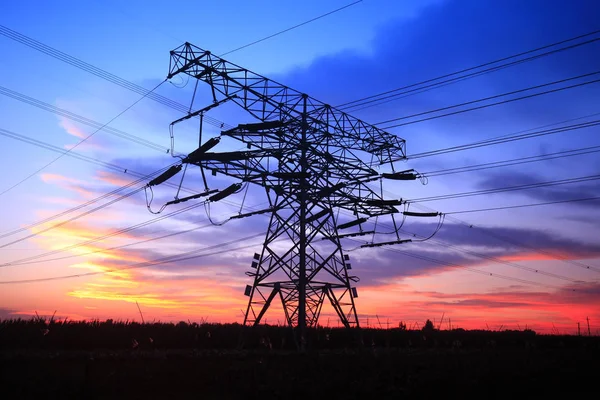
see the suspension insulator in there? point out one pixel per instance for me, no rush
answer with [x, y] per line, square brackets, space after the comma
[390, 210]
[259, 126]
[328, 191]
[168, 174]
[192, 197]
[225, 192]
[352, 223]
[383, 203]
[421, 214]
[195, 155]
[400, 176]
[345, 235]
[316, 216]
[289, 175]
[386, 243]
[266, 210]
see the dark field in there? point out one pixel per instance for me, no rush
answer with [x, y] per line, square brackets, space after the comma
[102, 361]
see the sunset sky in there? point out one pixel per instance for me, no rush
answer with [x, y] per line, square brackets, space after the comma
[533, 266]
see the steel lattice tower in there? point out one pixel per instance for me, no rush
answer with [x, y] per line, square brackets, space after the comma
[310, 158]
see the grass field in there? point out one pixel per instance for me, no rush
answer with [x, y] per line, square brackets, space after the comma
[102, 361]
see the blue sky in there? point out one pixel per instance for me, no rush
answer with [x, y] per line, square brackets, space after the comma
[370, 47]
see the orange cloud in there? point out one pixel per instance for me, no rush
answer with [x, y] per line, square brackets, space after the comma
[71, 128]
[113, 179]
[68, 183]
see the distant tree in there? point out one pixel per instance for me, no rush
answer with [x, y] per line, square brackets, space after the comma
[402, 326]
[182, 324]
[428, 327]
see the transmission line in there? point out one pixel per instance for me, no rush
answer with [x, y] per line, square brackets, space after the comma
[56, 149]
[27, 260]
[59, 224]
[479, 255]
[466, 103]
[80, 142]
[143, 178]
[423, 89]
[506, 139]
[291, 28]
[520, 244]
[486, 105]
[190, 255]
[76, 62]
[507, 189]
[106, 250]
[523, 205]
[477, 271]
[80, 119]
[514, 161]
[447, 214]
[368, 99]
[540, 127]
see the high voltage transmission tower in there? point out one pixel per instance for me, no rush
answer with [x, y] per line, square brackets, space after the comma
[312, 160]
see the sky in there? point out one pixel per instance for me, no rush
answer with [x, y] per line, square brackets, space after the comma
[534, 266]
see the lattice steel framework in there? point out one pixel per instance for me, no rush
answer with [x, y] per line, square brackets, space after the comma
[312, 160]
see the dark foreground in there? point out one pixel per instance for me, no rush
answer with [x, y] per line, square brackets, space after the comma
[352, 374]
[123, 360]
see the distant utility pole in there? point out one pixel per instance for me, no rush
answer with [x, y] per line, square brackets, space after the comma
[578, 330]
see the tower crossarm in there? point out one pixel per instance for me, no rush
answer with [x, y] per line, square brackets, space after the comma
[268, 100]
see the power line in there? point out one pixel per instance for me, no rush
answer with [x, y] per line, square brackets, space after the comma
[56, 149]
[487, 105]
[59, 224]
[514, 161]
[506, 189]
[523, 205]
[80, 119]
[520, 244]
[106, 250]
[506, 139]
[102, 237]
[418, 90]
[78, 143]
[477, 271]
[190, 255]
[291, 28]
[78, 63]
[447, 214]
[492, 97]
[89, 202]
[483, 256]
[508, 263]
[143, 178]
[354, 102]
[540, 127]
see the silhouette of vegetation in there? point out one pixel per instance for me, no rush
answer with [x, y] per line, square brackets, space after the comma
[124, 359]
[428, 327]
[42, 334]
